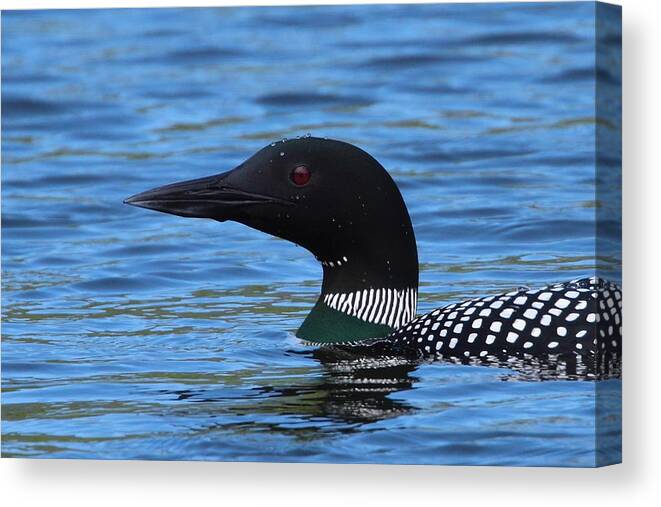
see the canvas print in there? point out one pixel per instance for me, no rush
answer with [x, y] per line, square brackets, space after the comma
[331, 234]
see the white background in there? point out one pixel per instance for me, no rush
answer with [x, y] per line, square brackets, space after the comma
[636, 482]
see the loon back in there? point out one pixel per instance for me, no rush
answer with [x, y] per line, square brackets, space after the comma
[339, 203]
[565, 330]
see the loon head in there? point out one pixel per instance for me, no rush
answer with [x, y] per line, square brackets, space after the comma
[336, 201]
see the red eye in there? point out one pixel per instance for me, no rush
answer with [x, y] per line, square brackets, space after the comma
[300, 175]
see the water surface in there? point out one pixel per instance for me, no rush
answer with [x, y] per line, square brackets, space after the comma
[129, 334]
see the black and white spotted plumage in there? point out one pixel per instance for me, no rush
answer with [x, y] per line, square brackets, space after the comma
[578, 316]
[578, 321]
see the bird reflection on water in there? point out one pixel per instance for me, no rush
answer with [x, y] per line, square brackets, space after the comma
[361, 386]
[349, 390]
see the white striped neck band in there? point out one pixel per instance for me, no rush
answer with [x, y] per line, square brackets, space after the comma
[391, 307]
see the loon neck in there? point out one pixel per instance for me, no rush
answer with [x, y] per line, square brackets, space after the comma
[364, 296]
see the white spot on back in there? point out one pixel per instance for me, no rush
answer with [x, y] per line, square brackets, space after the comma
[507, 313]
[530, 314]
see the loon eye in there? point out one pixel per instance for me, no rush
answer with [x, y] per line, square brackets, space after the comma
[300, 175]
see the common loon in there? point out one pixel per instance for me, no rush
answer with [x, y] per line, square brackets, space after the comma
[338, 202]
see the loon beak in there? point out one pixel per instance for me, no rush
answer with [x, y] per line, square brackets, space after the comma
[209, 197]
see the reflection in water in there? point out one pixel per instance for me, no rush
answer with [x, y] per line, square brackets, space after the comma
[347, 390]
[521, 366]
[356, 385]
[358, 390]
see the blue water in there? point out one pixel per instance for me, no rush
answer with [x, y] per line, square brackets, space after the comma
[128, 334]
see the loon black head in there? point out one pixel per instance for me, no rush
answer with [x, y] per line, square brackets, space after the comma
[336, 201]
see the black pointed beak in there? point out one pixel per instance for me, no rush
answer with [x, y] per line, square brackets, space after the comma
[209, 197]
